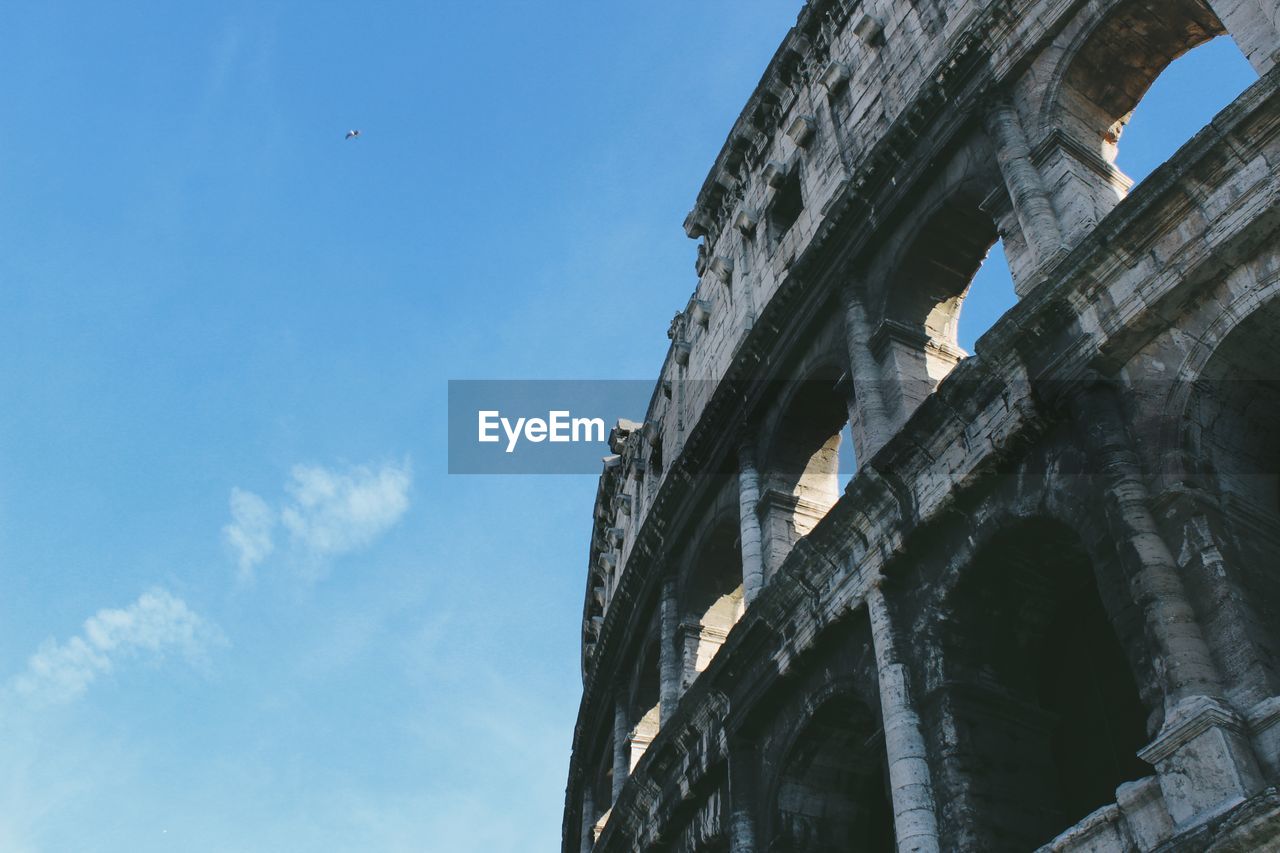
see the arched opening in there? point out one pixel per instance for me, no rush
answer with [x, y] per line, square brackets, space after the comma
[1230, 428]
[1110, 72]
[598, 796]
[802, 462]
[642, 706]
[1184, 98]
[918, 341]
[1047, 714]
[833, 791]
[990, 295]
[711, 601]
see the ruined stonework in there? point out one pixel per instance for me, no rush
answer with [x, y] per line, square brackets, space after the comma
[1045, 612]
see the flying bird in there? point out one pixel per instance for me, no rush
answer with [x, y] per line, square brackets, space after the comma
[352, 134]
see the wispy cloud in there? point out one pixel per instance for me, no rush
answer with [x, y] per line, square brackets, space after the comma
[249, 533]
[154, 627]
[327, 513]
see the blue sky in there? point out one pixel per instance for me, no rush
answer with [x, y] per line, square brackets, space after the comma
[244, 608]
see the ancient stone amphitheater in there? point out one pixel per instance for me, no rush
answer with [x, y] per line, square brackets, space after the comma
[1045, 612]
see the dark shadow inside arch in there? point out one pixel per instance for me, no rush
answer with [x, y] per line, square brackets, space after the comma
[801, 464]
[832, 794]
[1048, 714]
[1230, 425]
[711, 599]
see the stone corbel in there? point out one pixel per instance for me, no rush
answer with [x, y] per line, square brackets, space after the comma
[697, 223]
[616, 535]
[622, 504]
[700, 312]
[774, 174]
[835, 77]
[870, 30]
[682, 349]
[611, 461]
[722, 268]
[801, 130]
[608, 561]
[746, 221]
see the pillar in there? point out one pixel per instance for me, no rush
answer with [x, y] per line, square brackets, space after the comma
[1031, 204]
[1202, 753]
[588, 819]
[670, 676]
[753, 579]
[1254, 25]
[621, 748]
[914, 821]
[870, 414]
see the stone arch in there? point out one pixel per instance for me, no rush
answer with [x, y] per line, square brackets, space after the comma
[1227, 426]
[643, 698]
[1047, 713]
[800, 459]
[916, 342]
[1104, 65]
[710, 595]
[598, 793]
[831, 792]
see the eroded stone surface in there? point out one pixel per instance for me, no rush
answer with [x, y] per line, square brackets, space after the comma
[1045, 612]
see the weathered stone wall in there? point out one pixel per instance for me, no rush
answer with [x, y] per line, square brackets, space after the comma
[1046, 608]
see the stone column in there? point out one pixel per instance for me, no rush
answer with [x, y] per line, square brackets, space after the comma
[914, 821]
[588, 819]
[742, 798]
[669, 647]
[870, 415]
[753, 579]
[1202, 752]
[1031, 204]
[1254, 25]
[621, 748]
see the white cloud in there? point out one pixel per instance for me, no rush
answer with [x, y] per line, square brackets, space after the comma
[156, 625]
[249, 532]
[335, 513]
[327, 513]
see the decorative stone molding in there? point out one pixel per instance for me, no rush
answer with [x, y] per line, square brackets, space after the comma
[746, 221]
[622, 504]
[1204, 760]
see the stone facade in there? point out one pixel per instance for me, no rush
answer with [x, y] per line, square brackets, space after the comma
[1045, 612]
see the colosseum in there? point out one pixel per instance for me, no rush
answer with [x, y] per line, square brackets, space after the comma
[1044, 613]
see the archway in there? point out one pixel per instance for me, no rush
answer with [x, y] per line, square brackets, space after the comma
[832, 793]
[711, 599]
[801, 470]
[1047, 713]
